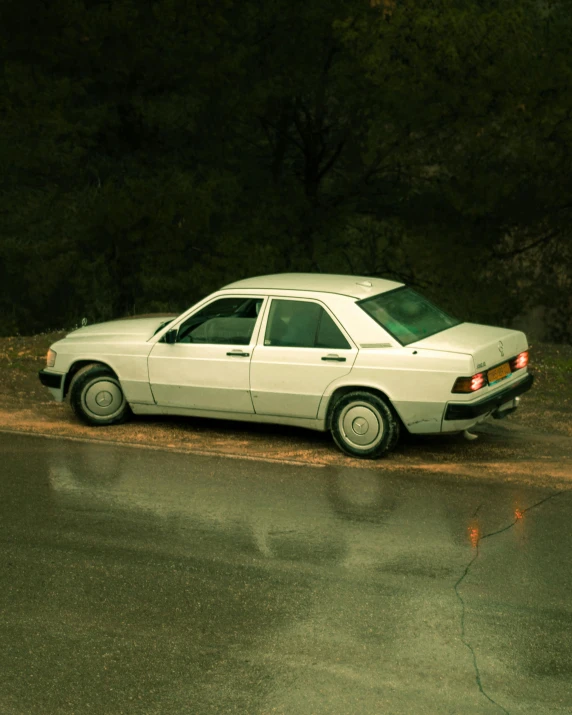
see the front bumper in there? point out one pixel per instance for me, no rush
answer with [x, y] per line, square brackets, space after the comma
[472, 410]
[50, 379]
[54, 381]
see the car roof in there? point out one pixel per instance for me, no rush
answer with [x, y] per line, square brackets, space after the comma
[353, 286]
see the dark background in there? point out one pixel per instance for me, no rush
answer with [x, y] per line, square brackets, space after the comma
[152, 151]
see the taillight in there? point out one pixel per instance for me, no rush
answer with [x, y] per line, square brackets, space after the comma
[519, 361]
[470, 384]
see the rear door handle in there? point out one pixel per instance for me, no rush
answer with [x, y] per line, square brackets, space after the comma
[238, 353]
[334, 358]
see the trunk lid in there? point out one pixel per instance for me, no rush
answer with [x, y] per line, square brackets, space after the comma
[488, 346]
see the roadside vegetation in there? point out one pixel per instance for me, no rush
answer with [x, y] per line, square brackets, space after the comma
[548, 406]
[154, 151]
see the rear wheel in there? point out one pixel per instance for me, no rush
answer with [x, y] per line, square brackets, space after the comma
[364, 425]
[96, 396]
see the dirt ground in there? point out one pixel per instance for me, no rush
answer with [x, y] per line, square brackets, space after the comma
[534, 445]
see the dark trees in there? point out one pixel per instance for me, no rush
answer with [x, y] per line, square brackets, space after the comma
[151, 151]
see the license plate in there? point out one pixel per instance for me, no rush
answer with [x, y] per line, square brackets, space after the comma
[497, 373]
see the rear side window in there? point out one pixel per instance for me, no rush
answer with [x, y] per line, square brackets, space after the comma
[407, 315]
[302, 324]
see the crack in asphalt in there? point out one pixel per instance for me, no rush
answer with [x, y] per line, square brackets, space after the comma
[464, 575]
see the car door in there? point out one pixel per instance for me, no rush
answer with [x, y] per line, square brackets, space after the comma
[207, 368]
[304, 349]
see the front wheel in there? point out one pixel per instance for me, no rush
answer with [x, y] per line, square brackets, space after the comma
[364, 425]
[96, 396]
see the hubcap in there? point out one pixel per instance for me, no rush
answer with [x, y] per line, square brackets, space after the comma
[361, 425]
[103, 398]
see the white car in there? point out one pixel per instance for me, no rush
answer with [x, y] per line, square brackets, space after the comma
[362, 357]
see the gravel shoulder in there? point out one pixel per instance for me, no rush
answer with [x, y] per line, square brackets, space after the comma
[532, 446]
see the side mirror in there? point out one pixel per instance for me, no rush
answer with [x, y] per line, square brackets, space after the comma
[171, 336]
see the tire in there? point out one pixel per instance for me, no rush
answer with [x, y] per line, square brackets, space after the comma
[96, 396]
[364, 425]
[397, 432]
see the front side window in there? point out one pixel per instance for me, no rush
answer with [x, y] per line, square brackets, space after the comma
[302, 324]
[407, 315]
[226, 321]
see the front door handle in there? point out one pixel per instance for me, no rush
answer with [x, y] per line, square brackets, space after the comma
[334, 358]
[238, 353]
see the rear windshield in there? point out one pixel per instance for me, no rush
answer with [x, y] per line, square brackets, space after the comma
[407, 315]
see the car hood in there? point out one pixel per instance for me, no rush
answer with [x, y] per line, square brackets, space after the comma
[485, 343]
[128, 329]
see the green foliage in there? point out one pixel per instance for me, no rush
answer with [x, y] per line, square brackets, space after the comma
[152, 151]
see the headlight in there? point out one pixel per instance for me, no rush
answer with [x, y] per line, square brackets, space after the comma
[50, 358]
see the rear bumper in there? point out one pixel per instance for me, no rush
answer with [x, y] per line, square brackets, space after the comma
[472, 410]
[54, 381]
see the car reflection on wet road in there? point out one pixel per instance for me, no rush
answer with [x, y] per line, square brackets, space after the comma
[141, 581]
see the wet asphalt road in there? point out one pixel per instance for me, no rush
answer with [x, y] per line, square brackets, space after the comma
[138, 581]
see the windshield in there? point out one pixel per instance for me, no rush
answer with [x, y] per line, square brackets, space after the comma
[407, 315]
